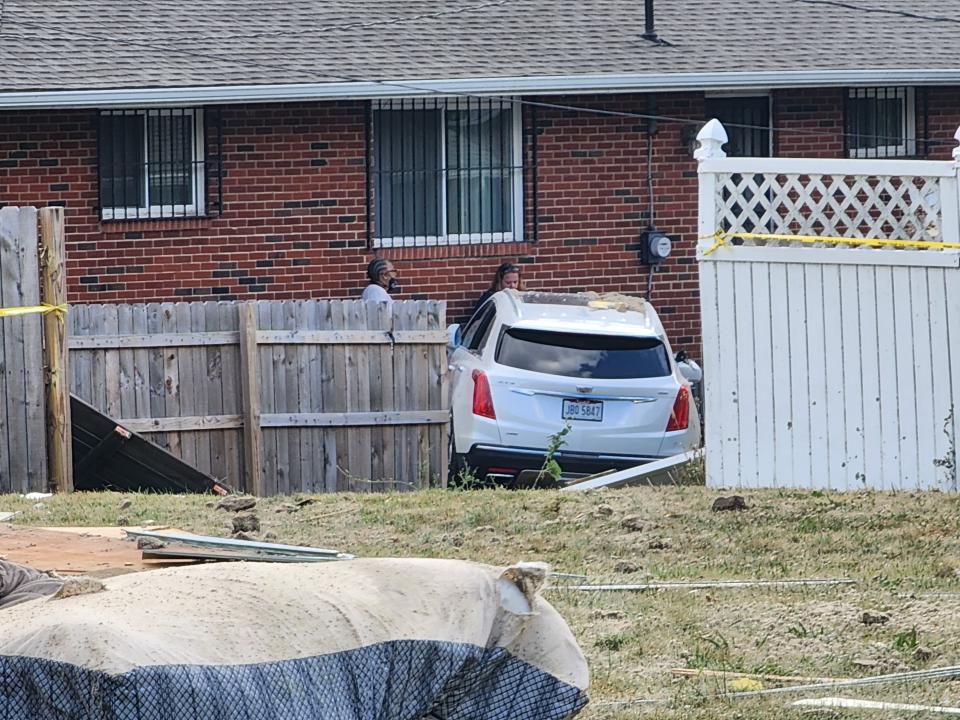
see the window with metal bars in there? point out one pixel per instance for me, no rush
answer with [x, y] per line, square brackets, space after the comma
[882, 122]
[444, 172]
[156, 164]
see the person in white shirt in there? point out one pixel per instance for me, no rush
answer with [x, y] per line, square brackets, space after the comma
[383, 281]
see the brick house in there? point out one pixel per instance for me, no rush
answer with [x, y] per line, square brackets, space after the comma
[231, 149]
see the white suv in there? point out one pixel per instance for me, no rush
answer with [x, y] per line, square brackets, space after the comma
[528, 364]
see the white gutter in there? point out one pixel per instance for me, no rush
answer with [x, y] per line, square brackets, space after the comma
[538, 85]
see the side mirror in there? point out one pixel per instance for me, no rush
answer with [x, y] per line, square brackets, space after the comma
[453, 336]
[690, 370]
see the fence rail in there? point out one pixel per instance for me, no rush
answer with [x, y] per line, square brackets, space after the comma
[275, 397]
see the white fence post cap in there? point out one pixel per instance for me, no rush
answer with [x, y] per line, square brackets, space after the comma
[711, 138]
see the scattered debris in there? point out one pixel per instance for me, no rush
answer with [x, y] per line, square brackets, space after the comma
[303, 502]
[4, 516]
[37, 496]
[744, 684]
[608, 614]
[288, 508]
[734, 502]
[78, 586]
[246, 522]
[874, 617]
[124, 504]
[659, 544]
[626, 566]
[243, 536]
[602, 511]
[922, 653]
[934, 674]
[146, 543]
[698, 672]
[633, 523]
[236, 504]
[837, 702]
[667, 471]
[183, 545]
[705, 584]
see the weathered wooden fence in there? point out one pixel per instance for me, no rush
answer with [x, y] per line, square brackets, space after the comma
[34, 412]
[275, 397]
[831, 312]
[23, 461]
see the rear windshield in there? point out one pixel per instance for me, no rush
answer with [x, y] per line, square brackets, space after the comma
[609, 357]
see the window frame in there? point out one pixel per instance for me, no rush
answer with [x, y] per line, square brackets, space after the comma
[905, 149]
[168, 211]
[478, 327]
[444, 239]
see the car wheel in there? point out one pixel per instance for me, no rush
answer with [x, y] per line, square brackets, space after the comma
[456, 461]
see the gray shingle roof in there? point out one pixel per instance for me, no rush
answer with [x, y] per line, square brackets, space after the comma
[104, 44]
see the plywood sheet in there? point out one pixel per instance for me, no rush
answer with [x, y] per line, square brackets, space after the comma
[71, 553]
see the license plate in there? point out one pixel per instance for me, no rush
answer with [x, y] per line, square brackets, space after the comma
[583, 410]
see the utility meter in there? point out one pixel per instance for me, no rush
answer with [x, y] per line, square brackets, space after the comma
[655, 247]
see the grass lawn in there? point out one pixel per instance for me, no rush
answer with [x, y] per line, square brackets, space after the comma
[903, 550]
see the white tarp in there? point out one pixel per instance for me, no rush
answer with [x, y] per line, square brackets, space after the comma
[388, 638]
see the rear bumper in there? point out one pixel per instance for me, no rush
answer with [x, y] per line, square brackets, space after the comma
[505, 464]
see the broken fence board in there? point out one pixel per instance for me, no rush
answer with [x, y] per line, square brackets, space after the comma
[640, 474]
[207, 541]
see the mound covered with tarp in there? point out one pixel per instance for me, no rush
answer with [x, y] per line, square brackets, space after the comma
[388, 639]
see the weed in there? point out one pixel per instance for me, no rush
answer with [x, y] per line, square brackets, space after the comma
[907, 641]
[465, 479]
[551, 470]
[611, 642]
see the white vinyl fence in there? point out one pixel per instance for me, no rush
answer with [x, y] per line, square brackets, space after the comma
[829, 364]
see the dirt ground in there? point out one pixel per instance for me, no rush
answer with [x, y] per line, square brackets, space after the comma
[902, 549]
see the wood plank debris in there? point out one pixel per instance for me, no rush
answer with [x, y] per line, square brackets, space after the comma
[108, 456]
[708, 584]
[252, 550]
[853, 703]
[658, 472]
[730, 675]
[943, 673]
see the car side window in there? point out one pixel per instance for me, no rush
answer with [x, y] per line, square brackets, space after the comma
[479, 329]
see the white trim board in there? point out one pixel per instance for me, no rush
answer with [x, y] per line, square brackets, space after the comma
[143, 97]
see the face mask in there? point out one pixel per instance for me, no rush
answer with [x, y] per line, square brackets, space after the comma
[393, 285]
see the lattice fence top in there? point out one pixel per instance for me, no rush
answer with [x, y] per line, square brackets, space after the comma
[883, 207]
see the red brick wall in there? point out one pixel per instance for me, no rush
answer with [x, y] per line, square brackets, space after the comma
[293, 225]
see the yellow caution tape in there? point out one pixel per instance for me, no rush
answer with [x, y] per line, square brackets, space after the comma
[722, 238]
[43, 309]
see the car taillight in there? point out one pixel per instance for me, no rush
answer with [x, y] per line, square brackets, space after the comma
[679, 416]
[482, 399]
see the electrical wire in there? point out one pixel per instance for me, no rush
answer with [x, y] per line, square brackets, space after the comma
[434, 92]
